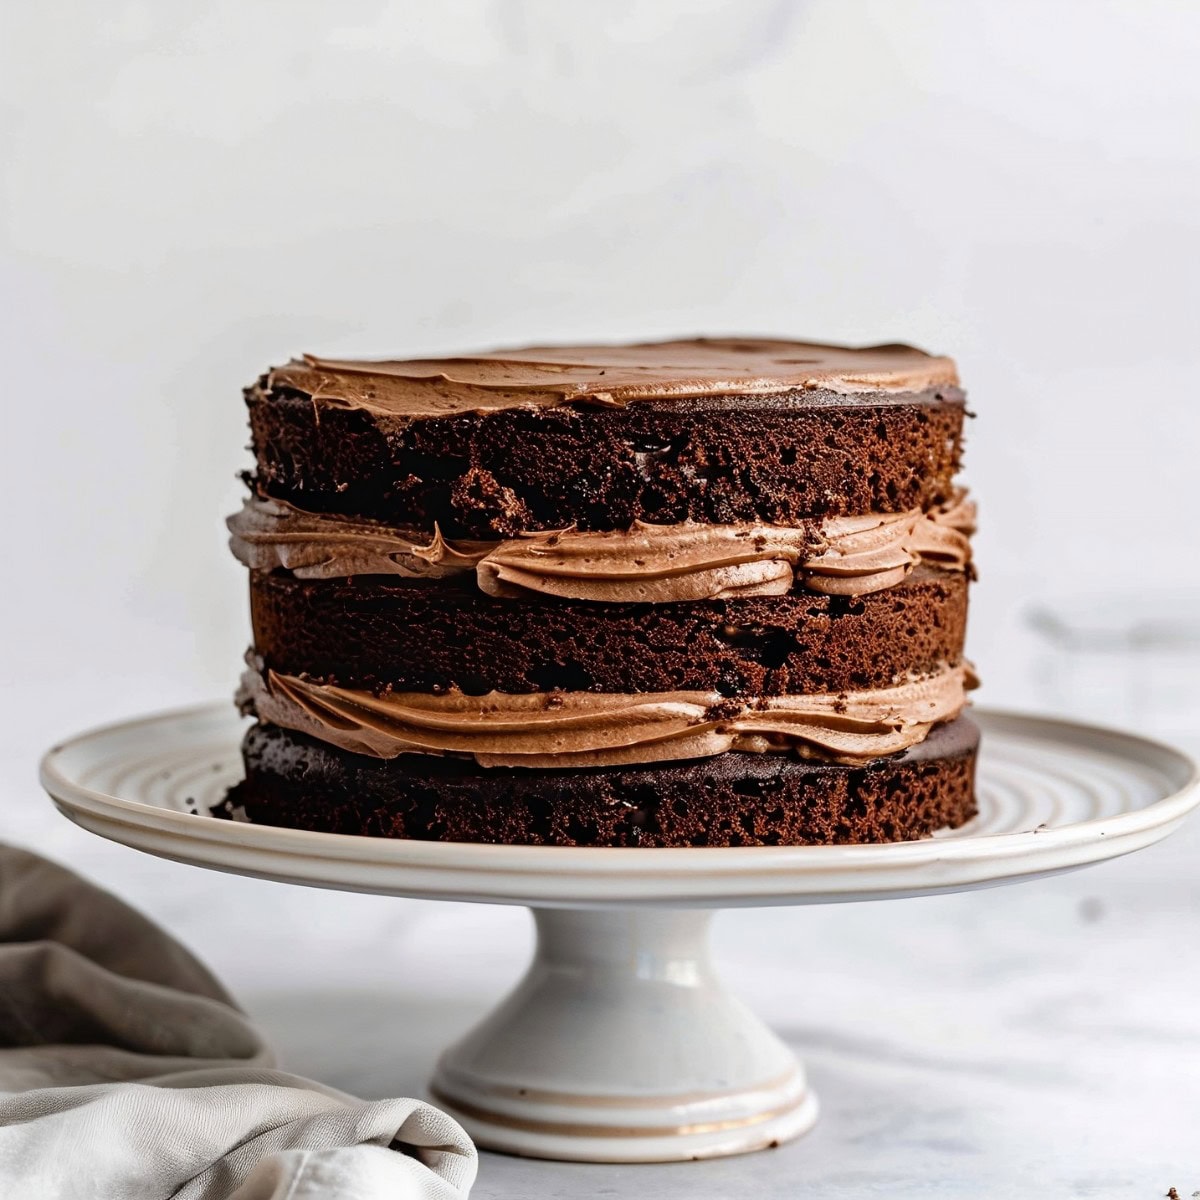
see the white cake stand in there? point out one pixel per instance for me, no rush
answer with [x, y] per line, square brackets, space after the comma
[620, 1044]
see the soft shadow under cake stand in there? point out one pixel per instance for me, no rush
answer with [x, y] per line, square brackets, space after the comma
[621, 1044]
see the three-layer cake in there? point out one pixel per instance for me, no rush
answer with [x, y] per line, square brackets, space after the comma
[696, 593]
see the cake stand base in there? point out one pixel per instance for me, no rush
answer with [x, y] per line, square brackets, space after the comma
[622, 1045]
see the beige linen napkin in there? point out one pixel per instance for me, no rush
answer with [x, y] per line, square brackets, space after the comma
[127, 1071]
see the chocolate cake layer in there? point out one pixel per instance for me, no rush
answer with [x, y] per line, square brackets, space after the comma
[716, 459]
[733, 799]
[416, 635]
[706, 592]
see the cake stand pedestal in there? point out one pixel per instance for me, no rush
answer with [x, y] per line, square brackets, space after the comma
[620, 1044]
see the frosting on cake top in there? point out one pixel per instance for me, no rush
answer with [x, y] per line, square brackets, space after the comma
[546, 376]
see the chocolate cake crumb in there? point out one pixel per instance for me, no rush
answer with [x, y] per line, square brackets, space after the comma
[732, 799]
[775, 458]
[429, 636]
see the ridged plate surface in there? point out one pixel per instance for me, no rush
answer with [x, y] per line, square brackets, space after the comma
[1052, 795]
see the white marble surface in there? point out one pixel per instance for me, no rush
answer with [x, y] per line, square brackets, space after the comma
[1036, 1039]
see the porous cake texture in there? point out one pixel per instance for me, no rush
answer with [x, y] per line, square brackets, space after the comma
[695, 593]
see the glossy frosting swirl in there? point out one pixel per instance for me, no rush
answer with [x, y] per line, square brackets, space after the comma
[546, 376]
[591, 729]
[848, 556]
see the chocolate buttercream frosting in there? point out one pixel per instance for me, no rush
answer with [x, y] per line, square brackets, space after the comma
[546, 376]
[591, 729]
[648, 563]
[271, 534]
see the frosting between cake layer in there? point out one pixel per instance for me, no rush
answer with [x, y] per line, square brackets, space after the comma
[648, 563]
[269, 534]
[547, 376]
[592, 729]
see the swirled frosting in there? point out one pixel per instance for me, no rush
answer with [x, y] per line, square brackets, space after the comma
[269, 534]
[546, 376]
[590, 729]
[848, 556]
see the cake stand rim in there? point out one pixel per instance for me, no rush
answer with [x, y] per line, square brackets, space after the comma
[700, 875]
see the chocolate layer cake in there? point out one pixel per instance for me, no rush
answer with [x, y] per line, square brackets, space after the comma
[701, 593]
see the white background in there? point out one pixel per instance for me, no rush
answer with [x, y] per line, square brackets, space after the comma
[195, 191]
